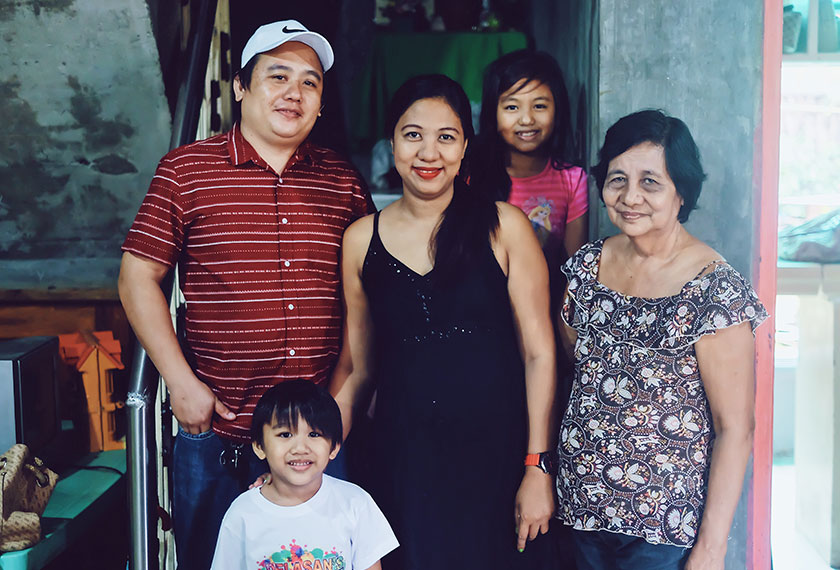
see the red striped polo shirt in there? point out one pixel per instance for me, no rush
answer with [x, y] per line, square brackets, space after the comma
[258, 258]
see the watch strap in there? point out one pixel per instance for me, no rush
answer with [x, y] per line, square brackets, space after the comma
[532, 459]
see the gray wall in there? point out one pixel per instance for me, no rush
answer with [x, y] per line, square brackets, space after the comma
[85, 120]
[701, 62]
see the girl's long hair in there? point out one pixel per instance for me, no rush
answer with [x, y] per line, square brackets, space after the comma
[490, 151]
[471, 218]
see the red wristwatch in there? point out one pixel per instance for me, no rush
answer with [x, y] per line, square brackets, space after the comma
[545, 461]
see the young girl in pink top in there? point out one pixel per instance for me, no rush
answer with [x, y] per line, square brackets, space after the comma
[522, 157]
[522, 154]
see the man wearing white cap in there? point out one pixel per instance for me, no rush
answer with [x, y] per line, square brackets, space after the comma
[254, 219]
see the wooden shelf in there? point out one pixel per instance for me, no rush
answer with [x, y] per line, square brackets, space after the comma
[58, 294]
[811, 58]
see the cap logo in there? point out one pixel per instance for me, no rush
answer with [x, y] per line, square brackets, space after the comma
[269, 36]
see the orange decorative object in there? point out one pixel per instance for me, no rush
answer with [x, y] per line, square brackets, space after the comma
[95, 355]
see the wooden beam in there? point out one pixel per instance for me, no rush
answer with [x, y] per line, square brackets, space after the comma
[766, 194]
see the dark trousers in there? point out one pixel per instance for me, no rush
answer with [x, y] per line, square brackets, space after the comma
[602, 550]
[208, 473]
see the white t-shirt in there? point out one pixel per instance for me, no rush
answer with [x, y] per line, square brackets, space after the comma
[339, 528]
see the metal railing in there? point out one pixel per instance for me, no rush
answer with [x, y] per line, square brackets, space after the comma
[142, 390]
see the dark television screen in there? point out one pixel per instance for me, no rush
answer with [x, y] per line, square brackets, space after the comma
[29, 401]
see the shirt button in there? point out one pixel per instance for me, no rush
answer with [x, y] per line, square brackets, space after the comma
[284, 221]
[292, 352]
[279, 181]
[291, 306]
[286, 263]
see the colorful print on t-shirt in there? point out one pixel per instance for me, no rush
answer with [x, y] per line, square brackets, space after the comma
[539, 209]
[551, 199]
[296, 557]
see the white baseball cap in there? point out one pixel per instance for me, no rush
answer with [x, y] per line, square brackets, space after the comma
[270, 36]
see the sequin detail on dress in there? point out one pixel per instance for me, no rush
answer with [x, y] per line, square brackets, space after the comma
[450, 425]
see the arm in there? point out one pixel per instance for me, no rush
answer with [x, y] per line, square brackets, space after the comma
[726, 361]
[568, 335]
[577, 232]
[351, 378]
[193, 403]
[529, 296]
[577, 220]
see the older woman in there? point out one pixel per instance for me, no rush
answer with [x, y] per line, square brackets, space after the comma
[658, 432]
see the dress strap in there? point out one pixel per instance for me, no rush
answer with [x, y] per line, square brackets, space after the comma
[708, 265]
[375, 239]
[375, 244]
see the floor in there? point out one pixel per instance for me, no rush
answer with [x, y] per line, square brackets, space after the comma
[791, 550]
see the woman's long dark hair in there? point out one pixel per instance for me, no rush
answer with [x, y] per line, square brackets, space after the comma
[471, 218]
[490, 150]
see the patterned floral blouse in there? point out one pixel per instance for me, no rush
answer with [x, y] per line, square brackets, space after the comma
[636, 438]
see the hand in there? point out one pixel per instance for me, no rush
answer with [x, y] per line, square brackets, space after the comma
[705, 558]
[261, 480]
[193, 406]
[534, 505]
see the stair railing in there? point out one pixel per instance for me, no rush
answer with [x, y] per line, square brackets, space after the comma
[141, 443]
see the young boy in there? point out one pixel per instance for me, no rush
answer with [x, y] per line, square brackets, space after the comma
[301, 519]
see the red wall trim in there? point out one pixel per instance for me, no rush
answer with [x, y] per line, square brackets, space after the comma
[766, 200]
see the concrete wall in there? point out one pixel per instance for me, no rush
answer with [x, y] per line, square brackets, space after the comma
[85, 120]
[701, 62]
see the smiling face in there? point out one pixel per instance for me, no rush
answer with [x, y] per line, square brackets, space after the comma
[283, 101]
[525, 116]
[296, 458]
[428, 147]
[639, 193]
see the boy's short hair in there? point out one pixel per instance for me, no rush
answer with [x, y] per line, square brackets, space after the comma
[287, 401]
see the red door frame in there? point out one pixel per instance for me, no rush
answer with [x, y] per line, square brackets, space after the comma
[766, 200]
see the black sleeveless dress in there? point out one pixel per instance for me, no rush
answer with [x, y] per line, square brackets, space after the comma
[450, 427]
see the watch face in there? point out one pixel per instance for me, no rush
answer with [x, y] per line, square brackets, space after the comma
[547, 462]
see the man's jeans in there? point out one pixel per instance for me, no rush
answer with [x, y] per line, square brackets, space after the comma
[208, 473]
[598, 550]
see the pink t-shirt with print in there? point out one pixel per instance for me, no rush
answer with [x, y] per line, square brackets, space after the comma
[551, 199]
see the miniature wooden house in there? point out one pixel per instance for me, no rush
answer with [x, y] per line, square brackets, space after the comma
[96, 355]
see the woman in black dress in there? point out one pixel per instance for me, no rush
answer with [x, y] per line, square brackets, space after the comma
[447, 303]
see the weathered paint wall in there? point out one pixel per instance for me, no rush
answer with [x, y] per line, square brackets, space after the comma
[85, 121]
[701, 62]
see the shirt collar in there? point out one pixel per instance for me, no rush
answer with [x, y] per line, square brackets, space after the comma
[241, 151]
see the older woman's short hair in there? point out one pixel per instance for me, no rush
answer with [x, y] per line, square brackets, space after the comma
[682, 157]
